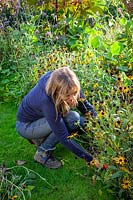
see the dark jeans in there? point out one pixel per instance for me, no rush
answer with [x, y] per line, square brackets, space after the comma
[41, 129]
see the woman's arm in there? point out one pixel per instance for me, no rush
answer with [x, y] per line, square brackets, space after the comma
[84, 106]
[59, 128]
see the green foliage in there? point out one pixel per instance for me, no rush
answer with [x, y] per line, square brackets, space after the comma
[37, 30]
[109, 135]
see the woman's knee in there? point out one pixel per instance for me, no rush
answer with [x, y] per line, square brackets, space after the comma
[72, 120]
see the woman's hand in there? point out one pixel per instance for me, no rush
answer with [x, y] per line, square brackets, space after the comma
[95, 163]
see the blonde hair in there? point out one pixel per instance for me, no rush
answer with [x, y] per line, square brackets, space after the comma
[63, 82]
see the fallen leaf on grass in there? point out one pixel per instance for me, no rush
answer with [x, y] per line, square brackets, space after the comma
[20, 162]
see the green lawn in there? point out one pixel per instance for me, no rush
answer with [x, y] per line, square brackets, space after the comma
[71, 182]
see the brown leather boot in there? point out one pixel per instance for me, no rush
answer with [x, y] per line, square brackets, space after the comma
[46, 159]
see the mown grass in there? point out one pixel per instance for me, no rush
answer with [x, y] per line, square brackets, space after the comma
[70, 182]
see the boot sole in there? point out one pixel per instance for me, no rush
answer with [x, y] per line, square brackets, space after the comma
[48, 166]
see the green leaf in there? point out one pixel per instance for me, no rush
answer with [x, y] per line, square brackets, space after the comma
[123, 21]
[30, 187]
[123, 68]
[72, 42]
[95, 41]
[34, 38]
[117, 174]
[100, 192]
[110, 151]
[120, 192]
[5, 81]
[115, 48]
[112, 167]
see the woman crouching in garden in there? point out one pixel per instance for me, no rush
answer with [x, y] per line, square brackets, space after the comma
[46, 118]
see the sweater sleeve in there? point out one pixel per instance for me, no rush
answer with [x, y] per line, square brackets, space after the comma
[84, 106]
[59, 128]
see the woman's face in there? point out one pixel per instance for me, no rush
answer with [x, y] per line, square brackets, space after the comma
[70, 98]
